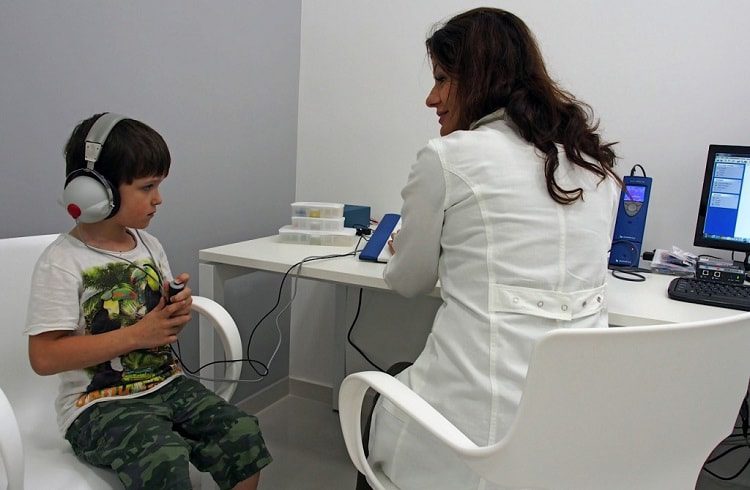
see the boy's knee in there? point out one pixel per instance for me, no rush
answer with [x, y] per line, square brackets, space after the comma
[157, 465]
[234, 456]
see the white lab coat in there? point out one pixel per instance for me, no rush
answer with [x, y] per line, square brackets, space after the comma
[513, 264]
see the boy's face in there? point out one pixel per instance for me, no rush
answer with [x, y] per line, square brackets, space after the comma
[138, 202]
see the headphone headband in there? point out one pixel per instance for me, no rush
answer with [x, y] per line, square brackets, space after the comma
[88, 196]
[97, 136]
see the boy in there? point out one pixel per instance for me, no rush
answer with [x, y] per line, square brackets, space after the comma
[99, 316]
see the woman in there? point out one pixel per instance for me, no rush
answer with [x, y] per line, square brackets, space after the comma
[512, 209]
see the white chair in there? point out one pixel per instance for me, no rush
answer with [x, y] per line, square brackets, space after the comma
[33, 454]
[619, 408]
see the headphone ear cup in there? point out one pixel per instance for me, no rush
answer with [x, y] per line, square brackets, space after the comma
[115, 195]
[88, 197]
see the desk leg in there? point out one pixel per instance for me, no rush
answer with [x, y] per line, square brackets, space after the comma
[339, 341]
[211, 279]
[210, 285]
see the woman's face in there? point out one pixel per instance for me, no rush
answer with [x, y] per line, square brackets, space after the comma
[442, 98]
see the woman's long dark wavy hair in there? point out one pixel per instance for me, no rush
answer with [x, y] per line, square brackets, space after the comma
[496, 63]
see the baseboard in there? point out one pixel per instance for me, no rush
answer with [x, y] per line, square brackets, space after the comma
[266, 397]
[310, 390]
[285, 387]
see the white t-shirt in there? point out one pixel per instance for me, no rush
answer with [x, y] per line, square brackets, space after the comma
[90, 291]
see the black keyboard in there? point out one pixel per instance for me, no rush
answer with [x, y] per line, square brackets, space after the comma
[735, 296]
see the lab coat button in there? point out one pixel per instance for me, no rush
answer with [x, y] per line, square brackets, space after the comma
[515, 300]
[564, 307]
[585, 303]
[540, 304]
[598, 299]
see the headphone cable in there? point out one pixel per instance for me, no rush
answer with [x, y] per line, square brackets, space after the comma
[252, 362]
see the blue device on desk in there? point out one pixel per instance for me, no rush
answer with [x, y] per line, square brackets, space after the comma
[377, 249]
[631, 221]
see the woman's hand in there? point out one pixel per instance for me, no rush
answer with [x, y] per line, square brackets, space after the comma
[390, 242]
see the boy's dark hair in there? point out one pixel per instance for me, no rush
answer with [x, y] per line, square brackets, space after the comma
[496, 63]
[131, 151]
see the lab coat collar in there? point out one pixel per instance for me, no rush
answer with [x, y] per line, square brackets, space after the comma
[491, 117]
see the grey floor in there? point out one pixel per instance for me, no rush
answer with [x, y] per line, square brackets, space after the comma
[305, 441]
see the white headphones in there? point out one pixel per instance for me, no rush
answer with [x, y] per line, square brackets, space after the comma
[88, 196]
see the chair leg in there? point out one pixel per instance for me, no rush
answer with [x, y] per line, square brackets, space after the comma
[393, 371]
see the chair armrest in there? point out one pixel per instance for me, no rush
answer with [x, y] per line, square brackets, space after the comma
[229, 335]
[351, 395]
[11, 447]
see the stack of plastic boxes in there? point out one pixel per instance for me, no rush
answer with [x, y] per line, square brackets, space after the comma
[318, 223]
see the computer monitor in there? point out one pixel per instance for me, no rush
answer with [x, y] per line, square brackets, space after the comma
[724, 212]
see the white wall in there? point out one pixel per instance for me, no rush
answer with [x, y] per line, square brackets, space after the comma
[219, 80]
[667, 78]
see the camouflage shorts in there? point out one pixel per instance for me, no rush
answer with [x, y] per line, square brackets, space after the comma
[149, 440]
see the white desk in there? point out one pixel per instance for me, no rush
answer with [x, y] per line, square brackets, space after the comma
[630, 303]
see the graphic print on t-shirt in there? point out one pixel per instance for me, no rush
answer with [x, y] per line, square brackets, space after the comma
[118, 294]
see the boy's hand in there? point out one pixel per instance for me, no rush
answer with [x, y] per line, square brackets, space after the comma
[160, 326]
[184, 297]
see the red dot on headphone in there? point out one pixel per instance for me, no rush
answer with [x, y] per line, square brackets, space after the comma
[74, 210]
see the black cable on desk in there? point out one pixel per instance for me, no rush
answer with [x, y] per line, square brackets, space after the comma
[632, 274]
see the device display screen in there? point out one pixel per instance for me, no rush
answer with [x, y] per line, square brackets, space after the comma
[635, 193]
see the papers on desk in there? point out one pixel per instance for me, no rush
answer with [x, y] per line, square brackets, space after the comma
[675, 262]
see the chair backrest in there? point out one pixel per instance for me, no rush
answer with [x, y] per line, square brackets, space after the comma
[632, 407]
[32, 396]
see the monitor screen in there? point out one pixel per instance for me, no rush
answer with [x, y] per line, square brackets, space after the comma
[724, 212]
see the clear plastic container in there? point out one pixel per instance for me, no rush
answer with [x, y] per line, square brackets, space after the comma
[343, 238]
[317, 209]
[324, 224]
